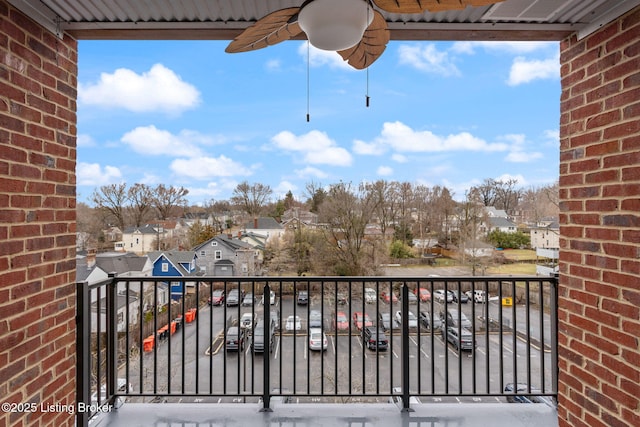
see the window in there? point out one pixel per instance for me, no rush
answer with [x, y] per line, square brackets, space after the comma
[214, 243]
[165, 267]
[203, 253]
[218, 255]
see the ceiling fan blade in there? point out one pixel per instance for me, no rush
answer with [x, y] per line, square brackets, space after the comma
[271, 29]
[420, 6]
[373, 43]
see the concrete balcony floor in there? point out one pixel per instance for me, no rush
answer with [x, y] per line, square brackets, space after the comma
[330, 415]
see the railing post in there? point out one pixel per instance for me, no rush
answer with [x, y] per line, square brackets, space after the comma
[112, 338]
[404, 291]
[266, 371]
[553, 313]
[83, 355]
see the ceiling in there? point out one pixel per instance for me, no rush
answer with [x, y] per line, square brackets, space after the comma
[224, 19]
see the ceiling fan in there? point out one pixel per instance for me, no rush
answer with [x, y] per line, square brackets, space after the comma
[353, 28]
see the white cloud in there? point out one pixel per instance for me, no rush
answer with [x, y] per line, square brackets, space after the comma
[366, 148]
[310, 172]
[284, 187]
[384, 171]
[525, 71]
[319, 57]
[314, 147]
[152, 141]
[401, 138]
[84, 141]
[427, 58]
[517, 154]
[208, 167]
[273, 65]
[506, 177]
[157, 90]
[400, 158]
[95, 175]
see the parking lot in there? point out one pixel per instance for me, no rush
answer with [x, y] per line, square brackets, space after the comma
[196, 361]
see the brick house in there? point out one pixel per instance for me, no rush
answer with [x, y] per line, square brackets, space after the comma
[599, 299]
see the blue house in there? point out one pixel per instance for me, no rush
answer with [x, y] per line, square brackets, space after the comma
[176, 264]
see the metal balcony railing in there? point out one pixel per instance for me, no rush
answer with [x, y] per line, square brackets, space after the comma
[141, 340]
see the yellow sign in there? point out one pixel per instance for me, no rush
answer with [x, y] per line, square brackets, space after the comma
[507, 301]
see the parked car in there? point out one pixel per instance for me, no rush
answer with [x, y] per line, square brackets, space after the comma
[217, 297]
[388, 297]
[439, 296]
[459, 295]
[317, 340]
[246, 321]
[275, 319]
[293, 323]
[464, 341]
[374, 338]
[258, 342]
[361, 320]
[423, 294]
[451, 318]
[234, 339]
[272, 298]
[315, 319]
[412, 298]
[233, 298]
[521, 394]
[248, 299]
[370, 295]
[341, 322]
[384, 320]
[303, 298]
[427, 319]
[413, 320]
[478, 295]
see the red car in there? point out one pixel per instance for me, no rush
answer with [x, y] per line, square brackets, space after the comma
[423, 294]
[360, 320]
[341, 321]
[217, 297]
[388, 297]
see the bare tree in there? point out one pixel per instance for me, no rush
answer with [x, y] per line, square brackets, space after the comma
[507, 195]
[315, 195]
[387, 202]
[251, 198]
[140, 199]
[347, 211]
[112, 199]
[165, 199]
[487, 191]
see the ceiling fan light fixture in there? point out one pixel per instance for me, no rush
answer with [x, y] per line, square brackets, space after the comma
[335, 24]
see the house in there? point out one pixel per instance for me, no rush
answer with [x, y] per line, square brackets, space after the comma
[545, 235]
[497, 223]
[139, 240]
[225, 255]
[176, 264]
[266, 226]
[99, 312]
[94, 268]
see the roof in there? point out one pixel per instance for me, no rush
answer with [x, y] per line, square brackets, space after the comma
[177, 258]
[499, 222]
[231, 243]
[145, 229]
[120, 263]
[263, 223]
[224, 19]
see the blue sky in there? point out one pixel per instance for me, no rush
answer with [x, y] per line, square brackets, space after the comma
[185, 113]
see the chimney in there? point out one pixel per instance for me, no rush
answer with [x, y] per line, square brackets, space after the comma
[91, 258]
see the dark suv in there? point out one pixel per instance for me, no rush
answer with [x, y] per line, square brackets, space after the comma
[259, 341]
[235, 339]
[303, 297]
[464, 341]
[374, 338]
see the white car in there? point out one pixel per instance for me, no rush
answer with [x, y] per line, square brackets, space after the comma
[272, 298]
[370, 295]
[438, 295]
[246, 321]
[478, 295]
[413, 320]
[317, 339]
[293, 323]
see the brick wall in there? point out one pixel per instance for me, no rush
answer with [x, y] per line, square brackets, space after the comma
[37, 220]
[599, 382]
